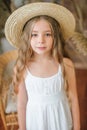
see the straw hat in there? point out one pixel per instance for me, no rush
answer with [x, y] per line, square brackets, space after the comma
[17, 20]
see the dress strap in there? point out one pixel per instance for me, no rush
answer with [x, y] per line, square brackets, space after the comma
[59, 69]
[27, 70]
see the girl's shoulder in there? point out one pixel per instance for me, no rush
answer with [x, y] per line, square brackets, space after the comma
[68, 64]
[68, 61]
[69, 67]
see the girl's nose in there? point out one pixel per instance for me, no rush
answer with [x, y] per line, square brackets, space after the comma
[41, 39]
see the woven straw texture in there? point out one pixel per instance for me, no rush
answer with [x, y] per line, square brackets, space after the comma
[15, 23]
[6, 78]
[80, 42]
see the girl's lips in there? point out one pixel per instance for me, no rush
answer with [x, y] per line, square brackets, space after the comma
[41, 48]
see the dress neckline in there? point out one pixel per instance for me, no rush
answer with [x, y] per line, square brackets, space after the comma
[49, 77]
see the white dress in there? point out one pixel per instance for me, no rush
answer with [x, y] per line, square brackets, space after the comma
[47, 107]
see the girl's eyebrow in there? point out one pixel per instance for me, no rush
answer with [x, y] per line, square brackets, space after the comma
[44, 31]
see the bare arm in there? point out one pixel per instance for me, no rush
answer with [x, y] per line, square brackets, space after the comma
[22, 101]
[70, 72]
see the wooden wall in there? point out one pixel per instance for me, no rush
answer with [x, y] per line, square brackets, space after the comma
[81, 75]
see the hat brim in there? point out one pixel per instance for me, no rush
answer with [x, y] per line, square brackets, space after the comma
[16, 21]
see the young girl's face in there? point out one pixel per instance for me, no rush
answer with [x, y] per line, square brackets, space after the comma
[42, 37]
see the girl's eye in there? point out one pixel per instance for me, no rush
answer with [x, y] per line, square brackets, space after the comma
[48, 34]
[34, 35]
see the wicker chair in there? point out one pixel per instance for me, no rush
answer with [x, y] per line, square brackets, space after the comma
[8, 116]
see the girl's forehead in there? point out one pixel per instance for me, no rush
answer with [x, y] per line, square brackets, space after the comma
[42, 24]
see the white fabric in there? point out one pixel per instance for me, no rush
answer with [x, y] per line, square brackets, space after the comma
[47, 107]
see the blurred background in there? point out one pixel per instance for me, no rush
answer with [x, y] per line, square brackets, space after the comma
[75, 48]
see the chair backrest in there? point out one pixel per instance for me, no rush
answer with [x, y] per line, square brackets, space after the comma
[7, 61]
[7, 97]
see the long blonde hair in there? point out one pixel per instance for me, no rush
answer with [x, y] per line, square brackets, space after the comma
[25, 52]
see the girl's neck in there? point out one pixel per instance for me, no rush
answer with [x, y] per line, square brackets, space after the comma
[42, 58]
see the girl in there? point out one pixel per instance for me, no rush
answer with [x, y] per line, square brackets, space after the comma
[45, 80]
